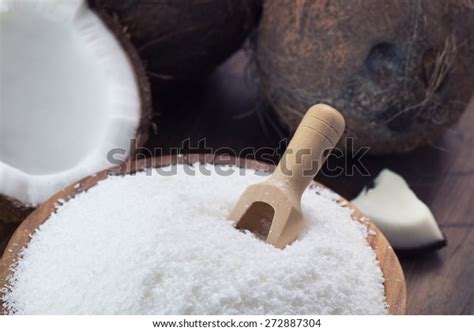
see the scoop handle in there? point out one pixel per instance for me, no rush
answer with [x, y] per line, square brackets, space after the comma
[318, 132]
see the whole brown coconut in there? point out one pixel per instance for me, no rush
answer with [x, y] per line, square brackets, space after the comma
[182, 40]
[399, 71]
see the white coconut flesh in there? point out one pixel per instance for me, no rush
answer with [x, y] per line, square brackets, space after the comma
[68, 95]
[404, 219]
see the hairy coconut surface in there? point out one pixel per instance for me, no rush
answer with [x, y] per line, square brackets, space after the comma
[400, 71]
[182, 40]
[73, 89]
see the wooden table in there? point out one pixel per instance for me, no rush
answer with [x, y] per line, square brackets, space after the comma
[224, 111]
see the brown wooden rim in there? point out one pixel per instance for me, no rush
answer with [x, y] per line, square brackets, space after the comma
[395, 286]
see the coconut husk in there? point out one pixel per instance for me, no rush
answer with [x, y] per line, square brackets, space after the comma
[183, 40]
[400, 71]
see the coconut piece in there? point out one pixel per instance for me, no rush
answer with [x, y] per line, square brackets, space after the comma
[182, 40]
[404, 219]
[72, 89]
[400, 71]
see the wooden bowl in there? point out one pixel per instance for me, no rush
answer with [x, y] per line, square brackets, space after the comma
[395, 286]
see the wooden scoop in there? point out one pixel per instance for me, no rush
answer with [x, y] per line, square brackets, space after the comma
[278, 199]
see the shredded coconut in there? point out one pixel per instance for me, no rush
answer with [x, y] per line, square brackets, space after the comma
[155, 244]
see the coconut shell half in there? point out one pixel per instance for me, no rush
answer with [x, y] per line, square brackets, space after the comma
[400, 71]
[84, 104]
[141, 77]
